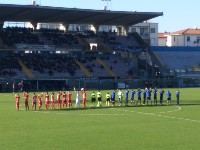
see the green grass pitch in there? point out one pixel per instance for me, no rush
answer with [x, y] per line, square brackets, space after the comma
[142, 127]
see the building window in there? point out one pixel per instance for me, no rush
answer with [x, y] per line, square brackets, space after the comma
[188, 38]
[198, 40]
[153, 30]
[133, 30]
[143, 31]
[174, 39]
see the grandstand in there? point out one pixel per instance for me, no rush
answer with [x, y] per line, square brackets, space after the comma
[38, 55]
[178, 59]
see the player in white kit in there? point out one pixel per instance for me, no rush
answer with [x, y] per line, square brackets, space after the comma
[77, 105]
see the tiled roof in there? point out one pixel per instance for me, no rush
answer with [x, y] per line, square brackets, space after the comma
[188, 31]
[163, 35]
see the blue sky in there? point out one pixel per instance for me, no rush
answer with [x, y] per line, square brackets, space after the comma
[178, 14]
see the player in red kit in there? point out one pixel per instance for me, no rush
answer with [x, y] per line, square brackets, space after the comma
[46, 100]
[64, 100]
[84, 97]
[52, 100]
[58, 100]
[26, 100]
[39, 97]
[17, 101]
[34, 97]
[69, 99]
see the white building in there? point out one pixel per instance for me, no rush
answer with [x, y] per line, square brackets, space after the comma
[148, 31]
[162, 39]
[186, 37]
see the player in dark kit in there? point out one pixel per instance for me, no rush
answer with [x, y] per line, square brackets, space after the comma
[155, 96]
[93, 99]
[144, 96]
[138, 96]
[168, 97]
[161, 96]
[113, 97]
[126, 97]
[177, 96]
[132, 97]
[149, 96]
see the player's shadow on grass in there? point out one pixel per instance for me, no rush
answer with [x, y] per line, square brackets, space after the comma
[105, 107]
[82, 109]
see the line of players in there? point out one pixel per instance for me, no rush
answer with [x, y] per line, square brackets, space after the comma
[66, 101]
[63, 100]
[147, 94]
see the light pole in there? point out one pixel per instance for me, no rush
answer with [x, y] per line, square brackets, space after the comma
[106, 6]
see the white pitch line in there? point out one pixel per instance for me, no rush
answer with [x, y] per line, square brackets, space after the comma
[154, 114]
[104, 114]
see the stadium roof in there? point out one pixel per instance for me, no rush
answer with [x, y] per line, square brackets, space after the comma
[46, 14]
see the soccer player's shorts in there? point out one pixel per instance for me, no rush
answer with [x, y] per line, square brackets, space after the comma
[113, 100]
[26, 102]
[46, 102]
[58, 101]
[139, 98]
[33, 103]
[64, 101]
[40, 104]
[99, 98]
[52, 102]
[108, 99]
[69, 101]
[93, 100]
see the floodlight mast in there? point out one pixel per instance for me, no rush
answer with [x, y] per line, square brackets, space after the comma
[34, 2]
[105, 6]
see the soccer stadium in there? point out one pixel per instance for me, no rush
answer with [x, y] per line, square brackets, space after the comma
[139, 95]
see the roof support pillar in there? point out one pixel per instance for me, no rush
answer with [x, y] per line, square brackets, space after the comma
[34, 24]
[125, 30]
[122, 30]
[96, 28]
[66, 26]
[119, 30]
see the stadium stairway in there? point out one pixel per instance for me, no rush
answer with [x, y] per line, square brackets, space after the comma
[25, 69]
[158, 61]
[83, 68]
[101, 62]
[104, 47]
[81, 42]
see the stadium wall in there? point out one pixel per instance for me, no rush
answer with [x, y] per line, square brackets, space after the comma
[175, 49]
